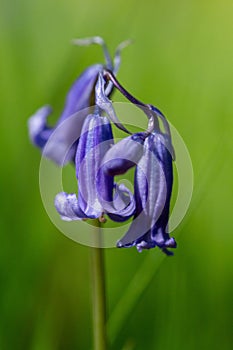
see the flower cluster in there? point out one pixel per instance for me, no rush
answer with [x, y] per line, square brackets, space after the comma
[83, 135]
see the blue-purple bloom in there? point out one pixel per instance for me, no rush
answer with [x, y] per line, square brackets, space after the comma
[152, 154]
[152, 185]
[79, 98]
[98, 160]
[97, 195]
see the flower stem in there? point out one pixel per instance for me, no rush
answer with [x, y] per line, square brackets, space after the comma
[98, 293]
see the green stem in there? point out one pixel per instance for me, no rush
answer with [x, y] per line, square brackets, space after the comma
[98, 294]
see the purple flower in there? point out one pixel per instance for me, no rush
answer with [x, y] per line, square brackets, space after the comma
[97, 193]
[152, 153]
[152, 185]
[80, 96]
[96, 138]
[85, 137]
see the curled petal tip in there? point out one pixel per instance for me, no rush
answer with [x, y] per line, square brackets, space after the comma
[119, 244]
[39, 132]
[67, 206]
[63, 205]
[140, 247]
[171, 243]
[38, 119]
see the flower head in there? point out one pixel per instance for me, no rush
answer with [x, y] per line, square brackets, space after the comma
[80, 96]
[152, 185]
[97, 195]
[86, 138]
[151, 152]
[77, 100]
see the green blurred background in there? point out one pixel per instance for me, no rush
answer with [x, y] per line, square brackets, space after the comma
[181, 61]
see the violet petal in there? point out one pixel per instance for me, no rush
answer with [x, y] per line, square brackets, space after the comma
[123, 205]
[95, 140]
[67, 207]
[79, 97]
[39, 132]
[124, 155]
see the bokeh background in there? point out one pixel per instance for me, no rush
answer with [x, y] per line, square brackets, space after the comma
[181, 61]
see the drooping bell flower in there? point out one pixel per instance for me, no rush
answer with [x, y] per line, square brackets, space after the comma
[80, 97]
[152, 153]
[153, 187]
[96, 138]
[97, 193]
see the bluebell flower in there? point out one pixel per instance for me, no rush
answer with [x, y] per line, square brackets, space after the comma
[97, 193]
[77, 99]
[80, 97]
[152, 185]
[96, 138]
[152, 154]
[98, 160]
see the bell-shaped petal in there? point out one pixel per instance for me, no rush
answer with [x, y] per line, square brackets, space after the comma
[96, 138]
[81, 94]
[95, 141]
[97, 193]
[79, 97]
[153, 187]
